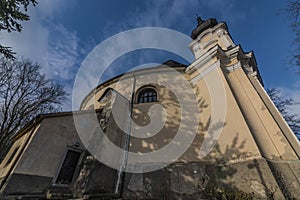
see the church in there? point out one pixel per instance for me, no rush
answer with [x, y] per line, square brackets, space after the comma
[200, 131]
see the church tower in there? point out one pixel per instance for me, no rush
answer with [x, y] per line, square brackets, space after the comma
[278, 146]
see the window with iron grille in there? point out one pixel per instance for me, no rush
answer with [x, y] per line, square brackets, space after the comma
[147, 95]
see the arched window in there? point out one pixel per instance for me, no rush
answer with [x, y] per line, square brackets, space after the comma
[147, 95]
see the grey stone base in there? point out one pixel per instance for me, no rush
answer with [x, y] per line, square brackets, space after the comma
[244, 180]
[252, 179]
[20, 184]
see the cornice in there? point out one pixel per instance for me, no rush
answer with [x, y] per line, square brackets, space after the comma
[221, 25]
[245, 60]
[202, 60]
[157, 69]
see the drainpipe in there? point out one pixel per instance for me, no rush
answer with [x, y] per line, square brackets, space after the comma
[121, 173]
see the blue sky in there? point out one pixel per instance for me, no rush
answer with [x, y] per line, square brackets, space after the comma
[60, 34]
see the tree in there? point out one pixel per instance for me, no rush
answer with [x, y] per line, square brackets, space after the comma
[293, 11]
[24, 93]
[11, 14]
[284, 106]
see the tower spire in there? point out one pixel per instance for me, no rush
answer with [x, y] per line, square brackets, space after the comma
[203, 25]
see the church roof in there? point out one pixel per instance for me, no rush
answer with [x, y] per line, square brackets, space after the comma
[173, 63]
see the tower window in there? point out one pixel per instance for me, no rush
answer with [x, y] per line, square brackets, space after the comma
[147, 95]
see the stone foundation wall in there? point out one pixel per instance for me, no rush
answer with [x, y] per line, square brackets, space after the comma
[244, 180]
[252, 179]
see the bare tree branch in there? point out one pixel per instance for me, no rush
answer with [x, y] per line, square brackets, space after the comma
[293, 12]
[284, 106]
[24, 93]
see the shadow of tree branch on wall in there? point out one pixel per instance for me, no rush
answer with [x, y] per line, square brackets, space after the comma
[212, 180]
[227, 172]
[205, 180]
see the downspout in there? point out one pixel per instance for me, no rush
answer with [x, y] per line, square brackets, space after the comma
[121, 173]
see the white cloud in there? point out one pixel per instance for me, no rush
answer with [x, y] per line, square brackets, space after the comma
[63, 54]
[30, 43]
[33, 41]
[178, 13]
[166, 13]
[51, 45]
[58, 49]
